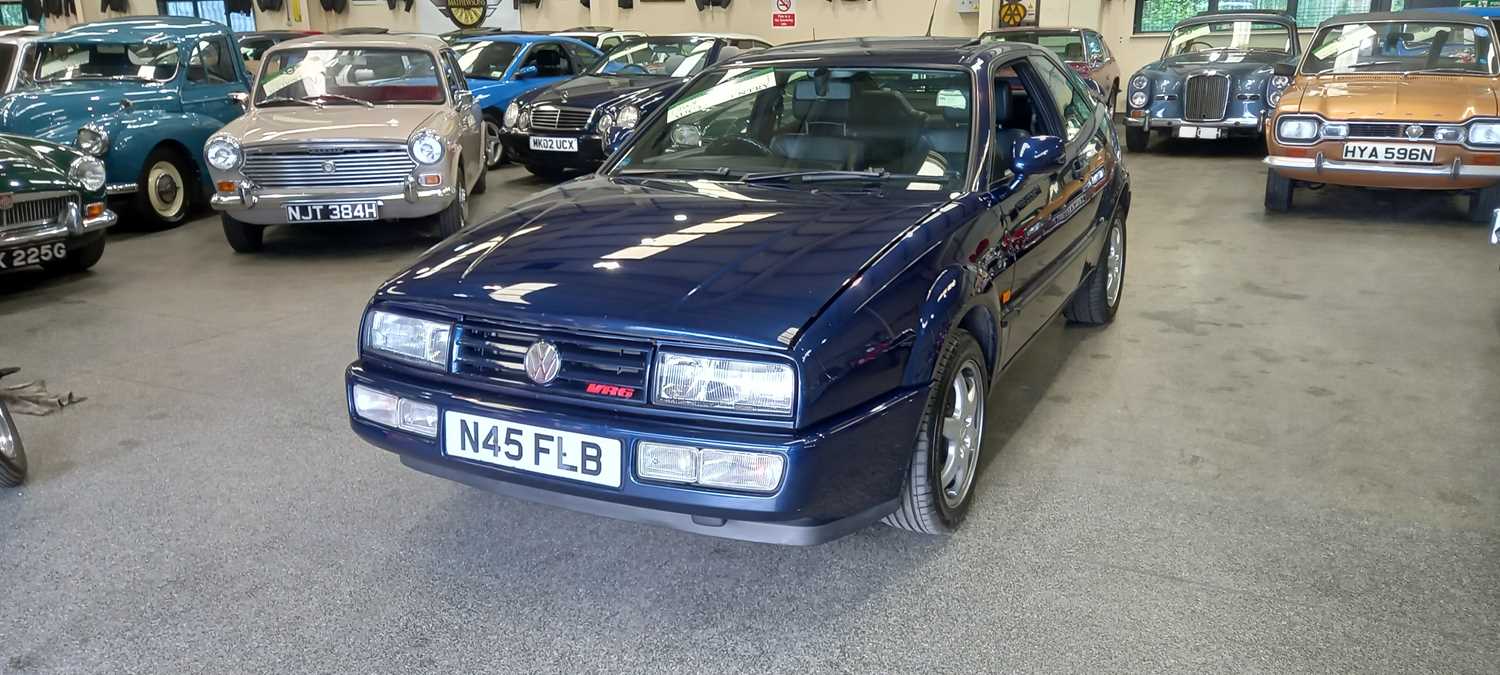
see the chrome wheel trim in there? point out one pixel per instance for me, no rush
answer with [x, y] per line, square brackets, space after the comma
[493, 149]
[9, 445]
[463, 203]
[164, 189]
[1114, 265]
[960, 435]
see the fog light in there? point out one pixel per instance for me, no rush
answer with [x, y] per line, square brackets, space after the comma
[225, 186]
[431, 179]
[388, 410]
[673, 463]
[755, 471]
[1335, 130]
[1449, 134]
[93, 210]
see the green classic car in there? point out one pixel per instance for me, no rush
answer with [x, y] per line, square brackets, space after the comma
[52, 206]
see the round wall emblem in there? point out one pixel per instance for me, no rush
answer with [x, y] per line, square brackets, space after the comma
[542, 362]
[1414, 131]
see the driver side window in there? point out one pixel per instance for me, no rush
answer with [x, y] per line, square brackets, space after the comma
[550, 60]
[211, 63]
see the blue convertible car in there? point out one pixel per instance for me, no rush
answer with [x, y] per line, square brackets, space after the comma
[777, 312]
[502, 66]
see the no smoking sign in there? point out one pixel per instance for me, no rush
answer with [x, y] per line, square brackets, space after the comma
[784, 14]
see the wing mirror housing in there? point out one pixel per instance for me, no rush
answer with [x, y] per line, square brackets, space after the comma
[241, 98]
[527, 72]
[1038, 154]
[1285, 69]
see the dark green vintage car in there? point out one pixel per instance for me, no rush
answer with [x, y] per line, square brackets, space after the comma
[52, 206]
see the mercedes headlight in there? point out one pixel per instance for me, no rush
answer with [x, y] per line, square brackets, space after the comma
[416, 341]
[92, 140]
[716, 383]
[1139, 82]
[525, 122]
[88, 172]
[1297, 129]
[427, 147]
[1484, 133]
[1138, 99]
[606, 124]
[223, 153]
[512, 115]
[628, 117]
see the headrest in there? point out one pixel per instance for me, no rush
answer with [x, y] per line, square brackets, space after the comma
[1002, 104]
[728, 52]
[1073, 51]
[548, 58]
[807, 90]
[363, 75]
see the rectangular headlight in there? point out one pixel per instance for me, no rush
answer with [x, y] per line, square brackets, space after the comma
[1484, 133]
[716, 383]
[416, 341]
[1297, 129]
[1336, 130]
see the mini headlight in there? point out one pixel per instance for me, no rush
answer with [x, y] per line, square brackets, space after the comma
[1297, 129]
[1280, 81]
[715, 383]
[1138, 99]
[1484, 133]
[1335, 130]
[427, 147]
[92, 140]
[1274, 97]
[223, 153]
[1139, 82]
[88, 172]
[512, 114]
[416, 341]
[628, 117]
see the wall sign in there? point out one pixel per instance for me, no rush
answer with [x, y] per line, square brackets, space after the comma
[784, 13]
[465, 13]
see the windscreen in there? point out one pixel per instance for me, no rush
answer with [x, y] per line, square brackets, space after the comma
[348, 76]
[667, 57]
[1240, 35]
[1401, 47]
[743, 121]
[60, 61]
[487, 60]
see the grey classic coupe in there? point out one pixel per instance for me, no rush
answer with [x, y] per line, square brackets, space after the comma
[1214, 78]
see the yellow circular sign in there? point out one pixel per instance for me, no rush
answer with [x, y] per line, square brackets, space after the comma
[467, 13]
[1012, 13]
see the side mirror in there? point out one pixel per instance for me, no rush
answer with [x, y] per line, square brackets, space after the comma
[1286, 69]
[527, 72]
[1037, 154]
[241, 98]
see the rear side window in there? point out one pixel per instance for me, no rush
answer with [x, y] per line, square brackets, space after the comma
[211, 62]
[583, 59]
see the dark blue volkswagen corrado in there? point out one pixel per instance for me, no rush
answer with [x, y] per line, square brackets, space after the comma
[776, 313]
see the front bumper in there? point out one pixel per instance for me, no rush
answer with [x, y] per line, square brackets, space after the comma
[250, 203]
[1452, 175]
[1232, 123]
[70, 224]
[589, 157]
[840, 476]
[1495, 228]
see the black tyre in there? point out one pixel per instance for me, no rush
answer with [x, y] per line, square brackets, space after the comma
[1137, 139]
[494, 150]
[243, 237]
[1097, 300]
[1482, 204]
[546, 172]
[1278, 192]
[938, 488]
[482, 184]
[1114, 95]
[456, 217]
[164, 191]
[12, 452]
[80, 257]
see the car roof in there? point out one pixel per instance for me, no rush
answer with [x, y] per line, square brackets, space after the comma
[147, 29]
[1408, 15]
[516, 38]
[925, 51]
[416, 41]
[1065, 30]
[722, 36]
[1267, 15]
[274, 34]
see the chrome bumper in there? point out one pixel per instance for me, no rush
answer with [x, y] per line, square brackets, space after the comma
[263, 206]
[1495, 228]
[1150, 123]
[1455, 170]
[69, 223]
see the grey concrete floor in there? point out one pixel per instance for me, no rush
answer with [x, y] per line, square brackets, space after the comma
[1284, 456]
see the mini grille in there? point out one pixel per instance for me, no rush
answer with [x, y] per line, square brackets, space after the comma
[1386, 130]
[560, 119]
[1205, 98]
[31, 210]
[354, 167]
[495, 353]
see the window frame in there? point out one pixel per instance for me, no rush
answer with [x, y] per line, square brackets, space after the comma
[1213, 6]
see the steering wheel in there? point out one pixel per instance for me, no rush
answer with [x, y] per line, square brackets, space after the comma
[638, 69]
[1197, 46]
[720, 146]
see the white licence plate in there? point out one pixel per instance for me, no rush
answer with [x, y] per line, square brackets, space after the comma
[32, 255]
[560, 454]
[1188, 131]
[332, 212]
[1402, 153]
[554, 144]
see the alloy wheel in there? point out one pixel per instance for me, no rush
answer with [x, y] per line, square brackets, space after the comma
[493, 150]
[1115, 265]
[960, 435]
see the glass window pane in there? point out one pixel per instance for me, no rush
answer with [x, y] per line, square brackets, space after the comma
[1161, 15]
[1310, 13]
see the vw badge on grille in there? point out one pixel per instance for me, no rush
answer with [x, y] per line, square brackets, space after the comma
[330, 167]
[542, 362]
[7, 200]
[1414, 131]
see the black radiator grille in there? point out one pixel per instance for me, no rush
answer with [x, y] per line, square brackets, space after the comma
[598, 368]
[1387, 130]
[1205, 98]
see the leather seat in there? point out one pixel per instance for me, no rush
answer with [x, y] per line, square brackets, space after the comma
[890, 125]
[826, 113]
[549, 63]
[951, 142]
[1073, 51]
[1006, 109]
[809, 151]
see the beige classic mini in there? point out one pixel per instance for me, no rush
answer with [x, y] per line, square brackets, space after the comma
[349, 128]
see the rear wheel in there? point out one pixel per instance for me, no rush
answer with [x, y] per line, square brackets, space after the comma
[164, 190]
[1114, 94]
[935, 496]
[1482, 204]
[1098, 299]
[79, 258]
[12, 452]
[1278, 192]
[243, 237]
[494, 150]
[1137, 139]
[456, 217]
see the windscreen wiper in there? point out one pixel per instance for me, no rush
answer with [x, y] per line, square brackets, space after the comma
[1366, 64]
[287, 99]
[721, 172]
[342, 97]
[825, 176]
